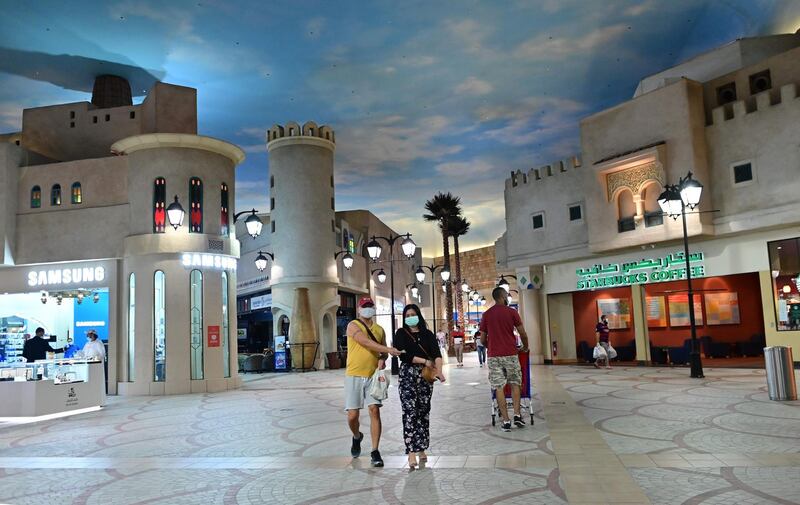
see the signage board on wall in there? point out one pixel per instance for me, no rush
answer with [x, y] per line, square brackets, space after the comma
[213, 336]
[66, 276]
[669, 268]
[208, 261]
[261, 302]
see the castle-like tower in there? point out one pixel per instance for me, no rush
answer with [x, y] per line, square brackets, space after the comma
[302, 226]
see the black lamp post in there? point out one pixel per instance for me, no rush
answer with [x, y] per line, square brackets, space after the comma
[420, 273]
[674, 201]
[175, 213]
[374, 250]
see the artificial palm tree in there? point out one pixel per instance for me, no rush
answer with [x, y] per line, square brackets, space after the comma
[442, 208]
[459, 226]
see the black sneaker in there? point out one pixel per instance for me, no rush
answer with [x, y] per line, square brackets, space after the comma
[518, 422]
[355, 449]
[506, 426]
[377, 461]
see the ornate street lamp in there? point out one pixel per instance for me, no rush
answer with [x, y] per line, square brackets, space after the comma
[445, 273]
[253, 223]
[420, 274]
[347, 259]
[674, 201]
[262, 261]
[175, 213]
[374, 249]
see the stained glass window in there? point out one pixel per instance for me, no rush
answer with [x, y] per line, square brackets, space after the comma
[196, 205]
[55, 194]
[77, 194]
[159, 202]
[223, 215]
[36, 197]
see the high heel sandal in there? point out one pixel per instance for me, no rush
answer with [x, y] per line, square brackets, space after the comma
[412, 465]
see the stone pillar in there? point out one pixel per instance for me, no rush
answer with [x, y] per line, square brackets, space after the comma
[532, 321]
[638, 300]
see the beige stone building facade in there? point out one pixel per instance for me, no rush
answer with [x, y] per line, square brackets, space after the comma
[590, 227]
[86, 236]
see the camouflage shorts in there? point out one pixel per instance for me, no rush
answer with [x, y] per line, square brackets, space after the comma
[504, 370]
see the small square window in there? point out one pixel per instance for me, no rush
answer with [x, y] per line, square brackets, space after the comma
[271, 181]
[72, 114]
[271, 203]
[626, 224]
[726, 93]
[72, 124]
[331, 181]
[272, 226]
[108, 117]
[575, 213]
[742, 173]
[538, 221]
[94, 119]
[133, 114]
[333, 207]
[759, 82]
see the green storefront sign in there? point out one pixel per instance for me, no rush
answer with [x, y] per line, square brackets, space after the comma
[668, 268]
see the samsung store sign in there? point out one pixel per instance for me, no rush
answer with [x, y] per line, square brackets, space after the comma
[66, 276]
[217, 261]
[646, 271]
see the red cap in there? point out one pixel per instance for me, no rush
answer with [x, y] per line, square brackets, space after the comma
[366, 301]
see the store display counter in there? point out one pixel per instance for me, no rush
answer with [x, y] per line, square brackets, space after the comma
[51, 387]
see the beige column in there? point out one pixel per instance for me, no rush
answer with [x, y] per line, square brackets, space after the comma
[639, 301]
[532, 321]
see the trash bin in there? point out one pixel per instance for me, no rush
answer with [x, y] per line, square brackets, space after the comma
[780, 373]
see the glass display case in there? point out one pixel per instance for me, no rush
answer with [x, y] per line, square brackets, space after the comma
[63, 371]
[19, 373]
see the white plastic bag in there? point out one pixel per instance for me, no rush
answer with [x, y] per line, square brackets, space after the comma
[599, 352]
[379, 389]
[612, 353]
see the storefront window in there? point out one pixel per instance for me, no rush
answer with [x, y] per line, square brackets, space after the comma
[226, 351]
[784, 260]
[159, 327]
[131, 326]
[196, 323]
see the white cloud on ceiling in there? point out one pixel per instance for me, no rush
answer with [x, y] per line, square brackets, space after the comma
[474, 86]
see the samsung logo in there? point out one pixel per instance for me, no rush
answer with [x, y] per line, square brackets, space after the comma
[208, 261]
[66, 276]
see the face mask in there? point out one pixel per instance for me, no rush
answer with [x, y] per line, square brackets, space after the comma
[367, 312]
[412, 320]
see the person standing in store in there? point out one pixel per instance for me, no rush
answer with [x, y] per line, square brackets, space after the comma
[480, 348]
[94, 348]
[36, 348]
[420, 350]
[497, 327]
[602, 333]
[366, 353]
[458, 345]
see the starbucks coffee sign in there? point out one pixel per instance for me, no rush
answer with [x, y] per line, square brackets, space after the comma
[646, 271]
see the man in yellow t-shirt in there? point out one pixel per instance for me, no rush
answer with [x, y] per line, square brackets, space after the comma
[366, 352]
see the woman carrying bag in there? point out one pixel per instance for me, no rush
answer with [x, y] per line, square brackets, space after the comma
[421, 365]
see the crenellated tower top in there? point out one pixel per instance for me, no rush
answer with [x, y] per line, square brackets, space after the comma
[293, 133]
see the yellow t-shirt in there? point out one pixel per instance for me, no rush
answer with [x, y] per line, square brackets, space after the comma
[362, 362]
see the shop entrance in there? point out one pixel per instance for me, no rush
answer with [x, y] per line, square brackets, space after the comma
[65, 315]
[729, 321]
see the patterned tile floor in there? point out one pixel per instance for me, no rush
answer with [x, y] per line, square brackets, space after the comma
[628, 435]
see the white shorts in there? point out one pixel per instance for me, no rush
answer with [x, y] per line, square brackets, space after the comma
[356, 393]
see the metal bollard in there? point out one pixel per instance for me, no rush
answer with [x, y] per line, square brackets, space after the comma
[780, 373]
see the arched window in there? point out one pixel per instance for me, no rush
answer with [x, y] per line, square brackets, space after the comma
[626, 211]
[55, 194]
[196, 205]
[652, 211]
[77, 194]
[131, 326]
[226, 351]
[159, 202]
[36, 197]
[196, 324]
[224, 224]
[159, 327]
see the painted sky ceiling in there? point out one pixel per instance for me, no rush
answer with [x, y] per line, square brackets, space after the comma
[424, 96]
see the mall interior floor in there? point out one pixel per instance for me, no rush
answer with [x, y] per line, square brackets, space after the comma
[627, 435]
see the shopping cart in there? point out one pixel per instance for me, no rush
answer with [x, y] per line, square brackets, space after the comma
[525, 390]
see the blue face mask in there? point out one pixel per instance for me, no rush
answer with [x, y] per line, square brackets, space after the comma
[412, 320]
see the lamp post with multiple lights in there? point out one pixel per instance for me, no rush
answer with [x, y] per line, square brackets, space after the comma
[374, 250]
[674, 201]
[445, 275]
